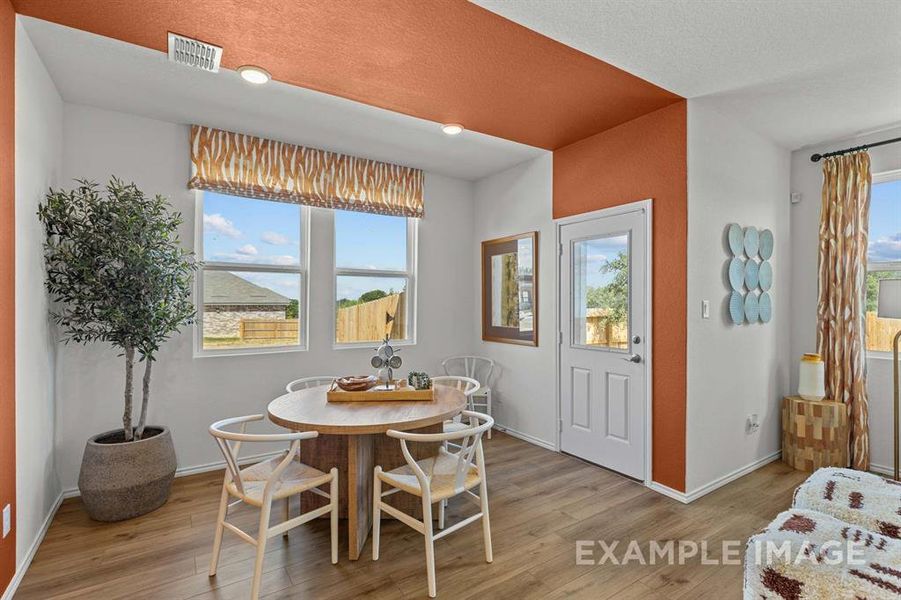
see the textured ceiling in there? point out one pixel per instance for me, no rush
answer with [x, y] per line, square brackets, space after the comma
[799, 71]
[98, 71]
[444, 61]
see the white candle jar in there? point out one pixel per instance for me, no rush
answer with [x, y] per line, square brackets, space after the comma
[812, 378]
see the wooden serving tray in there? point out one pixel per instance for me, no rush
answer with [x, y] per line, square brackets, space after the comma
[402, 392]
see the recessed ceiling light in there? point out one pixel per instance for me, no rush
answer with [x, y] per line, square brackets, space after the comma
[255, 75]
[452, 128]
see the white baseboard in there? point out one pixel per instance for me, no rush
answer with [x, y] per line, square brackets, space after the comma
[669, 492]
[882, 469]
[525, 437]
[686, 497]
[194, 470]
[29, 556]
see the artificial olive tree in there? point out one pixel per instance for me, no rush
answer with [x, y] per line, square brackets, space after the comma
[117, 273]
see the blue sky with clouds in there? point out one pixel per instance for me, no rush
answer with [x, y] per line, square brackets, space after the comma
[239, 230]
[367, 241]
[599, 251]
[885, 222]
[250, 231]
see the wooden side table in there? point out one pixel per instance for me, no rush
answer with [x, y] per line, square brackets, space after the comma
[814, 433]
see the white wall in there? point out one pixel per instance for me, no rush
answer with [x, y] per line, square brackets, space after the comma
[734, 176]
[39, 117]
[189, 393]
[514, 201]
[807, 179]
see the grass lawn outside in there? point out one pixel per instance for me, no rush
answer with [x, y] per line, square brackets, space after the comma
[236, 342]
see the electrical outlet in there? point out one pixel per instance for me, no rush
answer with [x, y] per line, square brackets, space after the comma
[7, 519]
[753, 423]
[705, 309]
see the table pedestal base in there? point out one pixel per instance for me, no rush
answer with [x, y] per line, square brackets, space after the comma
[356, 456]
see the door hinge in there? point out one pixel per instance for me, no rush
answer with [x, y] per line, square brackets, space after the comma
[561, 249]
[560, 425]
[560, 338]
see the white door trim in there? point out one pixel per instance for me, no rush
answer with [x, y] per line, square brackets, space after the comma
[645, 207]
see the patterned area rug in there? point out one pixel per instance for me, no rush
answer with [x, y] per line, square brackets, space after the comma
[856, 497]
[804, 554]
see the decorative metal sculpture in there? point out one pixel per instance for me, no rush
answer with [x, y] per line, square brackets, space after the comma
[386, 359]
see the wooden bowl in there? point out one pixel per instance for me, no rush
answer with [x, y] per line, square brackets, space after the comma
[356, 383]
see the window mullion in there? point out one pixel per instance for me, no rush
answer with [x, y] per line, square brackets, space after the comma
[368, 273]
[876, 267]
[226, 266]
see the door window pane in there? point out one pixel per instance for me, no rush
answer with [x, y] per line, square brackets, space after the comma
[600, 275]
[243, 309]
[368, 308]
[369, 241]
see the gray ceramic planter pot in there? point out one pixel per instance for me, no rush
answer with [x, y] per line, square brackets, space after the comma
[123, 480]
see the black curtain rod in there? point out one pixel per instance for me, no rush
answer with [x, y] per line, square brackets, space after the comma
[817, 157]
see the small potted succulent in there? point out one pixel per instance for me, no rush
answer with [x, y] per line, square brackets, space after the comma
[117, 273]
[419, 380]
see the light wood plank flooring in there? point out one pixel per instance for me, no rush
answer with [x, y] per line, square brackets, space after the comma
[541, 503]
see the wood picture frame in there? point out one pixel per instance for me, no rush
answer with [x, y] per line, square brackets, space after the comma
[510, 289]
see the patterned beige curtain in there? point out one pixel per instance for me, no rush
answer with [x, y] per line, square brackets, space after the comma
[234, 163]
[841, 305]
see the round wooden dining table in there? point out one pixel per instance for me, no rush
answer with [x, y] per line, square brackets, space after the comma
[352, 438]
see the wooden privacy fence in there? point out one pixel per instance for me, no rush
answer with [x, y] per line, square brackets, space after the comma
[265, 329]
[600, 331]
[370, 321]
[881, 332]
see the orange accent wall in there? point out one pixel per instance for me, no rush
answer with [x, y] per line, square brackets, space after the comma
[441, 60]
[645, 158]
[7, 283]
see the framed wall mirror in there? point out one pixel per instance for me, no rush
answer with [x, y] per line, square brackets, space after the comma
[510, 289]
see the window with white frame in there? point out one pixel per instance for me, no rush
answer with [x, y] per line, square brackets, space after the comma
[375, 278]
[883, 255]
[254, 278]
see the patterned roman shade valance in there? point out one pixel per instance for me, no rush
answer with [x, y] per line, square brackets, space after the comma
[234, 163]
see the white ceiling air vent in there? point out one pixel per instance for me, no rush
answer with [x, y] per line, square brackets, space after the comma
[192, 53]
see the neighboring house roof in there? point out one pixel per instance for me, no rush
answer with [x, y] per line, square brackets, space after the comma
[222, 287]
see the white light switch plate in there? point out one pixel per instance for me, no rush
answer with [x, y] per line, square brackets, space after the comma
[7, 519]
[705, 309]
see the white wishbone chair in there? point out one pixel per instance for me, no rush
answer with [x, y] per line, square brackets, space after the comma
[258, 485]
[475, 367]
[308, 382]
[436, 479]
[467, 385]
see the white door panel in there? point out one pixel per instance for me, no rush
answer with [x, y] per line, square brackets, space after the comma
[618, 407]
[603, 300]
[581, 398]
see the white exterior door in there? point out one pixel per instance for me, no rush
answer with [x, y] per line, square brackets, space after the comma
[604, 285]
